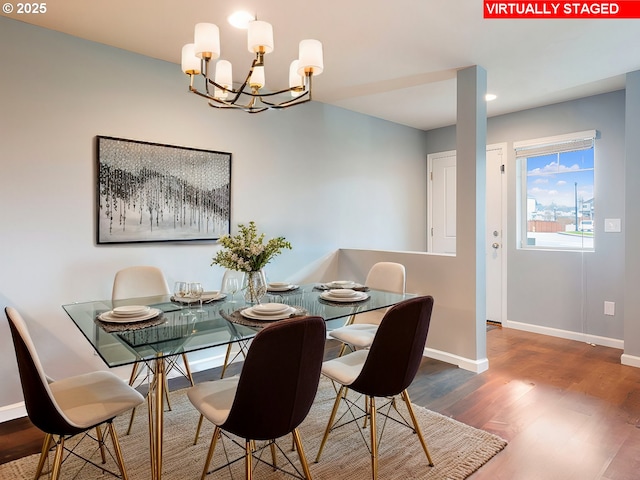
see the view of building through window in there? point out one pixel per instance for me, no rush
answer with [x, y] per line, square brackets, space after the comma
[560, 200]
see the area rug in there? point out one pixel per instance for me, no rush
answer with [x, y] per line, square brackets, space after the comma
[457, 449]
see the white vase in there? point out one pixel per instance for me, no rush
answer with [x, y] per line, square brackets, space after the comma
[255, 286]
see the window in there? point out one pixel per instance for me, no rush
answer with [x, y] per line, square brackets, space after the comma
[556, 192]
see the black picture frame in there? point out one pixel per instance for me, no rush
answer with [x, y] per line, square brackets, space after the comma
[150, 192]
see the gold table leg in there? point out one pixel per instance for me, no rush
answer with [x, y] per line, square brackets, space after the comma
[156, 408]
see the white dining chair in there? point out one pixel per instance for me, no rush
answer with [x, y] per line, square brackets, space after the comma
[361, 329]
[145, 281]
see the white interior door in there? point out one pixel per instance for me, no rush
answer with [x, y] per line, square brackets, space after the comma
[495, 239]
[441, 168]
[442, 202]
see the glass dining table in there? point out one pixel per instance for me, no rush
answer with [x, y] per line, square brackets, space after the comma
[180, 328]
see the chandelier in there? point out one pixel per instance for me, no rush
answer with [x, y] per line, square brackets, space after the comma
[198, 61]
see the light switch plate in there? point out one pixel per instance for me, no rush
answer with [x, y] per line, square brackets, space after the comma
[612, 225]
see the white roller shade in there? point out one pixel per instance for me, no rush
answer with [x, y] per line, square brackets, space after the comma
[558, 144]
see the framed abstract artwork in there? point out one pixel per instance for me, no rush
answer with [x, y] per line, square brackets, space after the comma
[148, 192]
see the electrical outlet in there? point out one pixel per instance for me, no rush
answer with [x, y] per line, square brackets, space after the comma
[610, 308]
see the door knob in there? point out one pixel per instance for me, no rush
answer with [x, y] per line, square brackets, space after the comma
[495, 245]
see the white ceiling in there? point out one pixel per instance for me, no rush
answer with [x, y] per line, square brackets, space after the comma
[395, 60]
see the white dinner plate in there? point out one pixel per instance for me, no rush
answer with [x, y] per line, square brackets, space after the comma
[270, 308]
[211, 296]
[249, 313]
[342, 284]
[284, 288]
[130, 310]
[357, 298]
[111, 318]
[343, 292]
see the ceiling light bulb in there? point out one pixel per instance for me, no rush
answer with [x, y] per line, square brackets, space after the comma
[240, 19]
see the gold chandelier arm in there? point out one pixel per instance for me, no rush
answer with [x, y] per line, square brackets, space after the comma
[257, 101]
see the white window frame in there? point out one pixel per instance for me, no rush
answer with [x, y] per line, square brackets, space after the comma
[541, 146]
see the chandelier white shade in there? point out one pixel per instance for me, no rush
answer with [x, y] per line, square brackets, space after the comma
[207, 41]
[260, 37]
[198, 61]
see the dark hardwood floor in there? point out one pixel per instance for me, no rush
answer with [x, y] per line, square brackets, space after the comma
[569, 410]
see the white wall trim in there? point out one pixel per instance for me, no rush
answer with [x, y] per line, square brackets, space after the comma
[555, 332]
[630, 360]
[476, 366]
[11, 412]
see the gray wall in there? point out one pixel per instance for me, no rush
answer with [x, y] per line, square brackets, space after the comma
[290, 171]
[632, 230]
[566, 290]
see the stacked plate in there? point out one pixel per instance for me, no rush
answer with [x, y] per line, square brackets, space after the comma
[268, 311]
[280, 287]
[344, 295]
[129, 314]
[342, 284]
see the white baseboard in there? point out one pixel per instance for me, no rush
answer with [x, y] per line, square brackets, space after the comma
[555, 332]
[476, 366]
[630, 360]
[11, 412]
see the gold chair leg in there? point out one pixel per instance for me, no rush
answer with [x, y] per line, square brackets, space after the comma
[44, 454]
[166, 392]
[212, 447]
[226, 360]
[374, 437]
[134, 373]
[132, 379]
[133, 415]
[195, 440]
[248, 459]
[101, 444]
[117, 451]
[367, 413]
[303, 458]
[274, 459]
[407, 401]
[187, 369]
[342, 392]
[57, 461]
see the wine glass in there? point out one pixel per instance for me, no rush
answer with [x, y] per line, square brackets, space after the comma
[180, 292]
[195, 292]
[231, 285]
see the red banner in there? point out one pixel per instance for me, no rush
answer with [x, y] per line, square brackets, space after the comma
[562, 9]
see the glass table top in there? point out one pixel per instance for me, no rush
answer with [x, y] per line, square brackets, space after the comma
[182, 329]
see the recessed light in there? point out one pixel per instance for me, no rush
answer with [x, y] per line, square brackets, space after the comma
[490, 97]
[240, 19]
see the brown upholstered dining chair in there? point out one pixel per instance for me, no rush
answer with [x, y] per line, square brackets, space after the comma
[360, 329]
[70, 406]
[273, 393]
[141, 281]
[384, 370]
